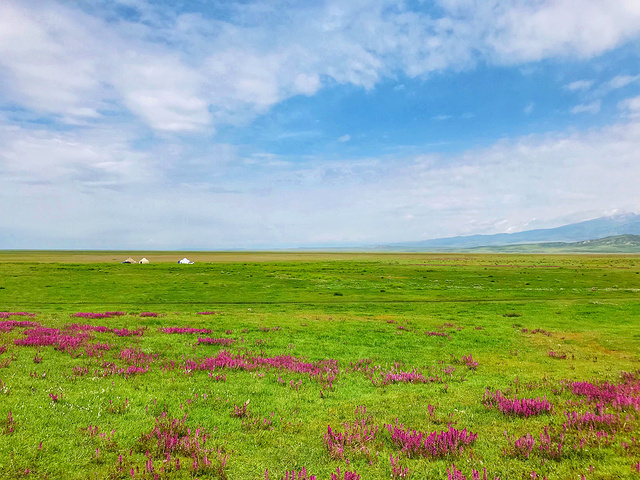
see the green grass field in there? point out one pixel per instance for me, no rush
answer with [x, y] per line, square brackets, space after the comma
[536, 325]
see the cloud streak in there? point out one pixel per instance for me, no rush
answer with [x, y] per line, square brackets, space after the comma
[592, 107]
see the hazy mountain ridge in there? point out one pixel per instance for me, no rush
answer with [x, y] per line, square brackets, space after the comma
[583, 236]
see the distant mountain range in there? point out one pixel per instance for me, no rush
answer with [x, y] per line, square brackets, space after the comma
[615, 234]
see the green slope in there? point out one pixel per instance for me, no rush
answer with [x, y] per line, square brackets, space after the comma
[614, 244]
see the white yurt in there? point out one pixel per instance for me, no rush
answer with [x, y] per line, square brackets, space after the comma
[143, 260]
[129, 260]
[185, 261]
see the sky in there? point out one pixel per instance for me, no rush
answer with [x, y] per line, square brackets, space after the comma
[148, 124]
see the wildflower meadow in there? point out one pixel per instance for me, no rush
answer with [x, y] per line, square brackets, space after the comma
[320, 366]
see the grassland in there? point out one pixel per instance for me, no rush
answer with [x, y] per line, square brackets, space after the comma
[379, 316]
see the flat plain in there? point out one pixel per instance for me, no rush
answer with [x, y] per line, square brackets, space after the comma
[422, 366]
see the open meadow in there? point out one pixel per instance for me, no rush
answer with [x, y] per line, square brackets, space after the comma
[322, 365]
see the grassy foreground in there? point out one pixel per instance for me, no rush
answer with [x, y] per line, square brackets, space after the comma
[346, 342]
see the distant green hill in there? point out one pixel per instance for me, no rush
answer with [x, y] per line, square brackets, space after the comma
[613, 244]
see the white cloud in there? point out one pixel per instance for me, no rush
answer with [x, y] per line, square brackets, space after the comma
[344, 138]
[593, 107]
[631, 106]
[579, 85]
[61, 61]
[47, 60]
[622, 81]
[530, 31]
[162, 91]
[90, 159]
[529, 108]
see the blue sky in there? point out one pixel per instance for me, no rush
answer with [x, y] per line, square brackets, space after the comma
[136, 124]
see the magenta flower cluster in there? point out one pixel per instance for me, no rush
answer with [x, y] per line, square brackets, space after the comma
[437, 334]
[324, 371]
[125, 332]
[550, 449]
[522, 447]
[171, 436]
[466, 360]
[215, 341]
[537, 330]
[76, 327]
[44, 336]
[16, 314]
[553, 445]
[522, 407]
[455, 474]
[594, 421]
[8, 325]
[558, 355]
[91, 315]
[109, 368]
[345, 475]
[120, 332]
[135, 356]
[433, 445]
[293, 475]
[240, 412]
[469, 362]
[303, 475]
[9, 425]
[94, 315]
[381, 377]
[256, 422]
[398, 376]
[397, 470]
[620, 395]
[356, 438]
[270, 329]
[96, 349]
[184, 330]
